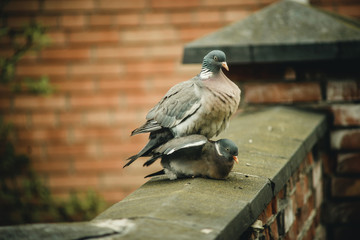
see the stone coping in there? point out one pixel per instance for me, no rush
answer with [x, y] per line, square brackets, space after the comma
[283, 31]
[272, 143]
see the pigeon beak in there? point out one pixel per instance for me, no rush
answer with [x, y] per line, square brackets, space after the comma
[224, 64]
[236, 159]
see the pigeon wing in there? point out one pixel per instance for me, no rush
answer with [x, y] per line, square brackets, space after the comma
[190, 142]
[181, 102]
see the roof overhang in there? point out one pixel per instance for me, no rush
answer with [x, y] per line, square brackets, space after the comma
[284, 31]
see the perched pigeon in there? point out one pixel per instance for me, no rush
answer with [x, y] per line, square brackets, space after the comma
[201, 105]
[195, 156]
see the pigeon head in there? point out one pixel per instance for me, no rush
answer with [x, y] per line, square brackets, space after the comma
[212, 63]
[228, 149]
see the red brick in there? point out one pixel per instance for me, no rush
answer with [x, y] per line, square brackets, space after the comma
[345, 187]
[268, 212]
[123, 149]
[229, 3]
[18, 119]
[127, 19]
[97, 118]
[348, 163]
[309, 160]
[124, 118]
[22, 6]
[70, 118]
[350, 10]
[274, 233]
[95, 69]
[266, 1]
[57, 38]
[281, 194]
[74, 85]
[142, 100]
[148, 67]
[30, 149]
[175, 4]
[346, 114]
[95, 101]
[41, 70]
[18, 21]
[38, 102]
[328, 161]
[163, 84]
[80, 5]
[47, 21]
[155, 18]
[274, 205]
[343, 91]
[187, 71]
[101, 20]
[29, 57]
[98, 166]
[65, 54]
[208, 16]
[171, 51]
[63, 150]
[236, 15]
[121, 5]
[149, 35]
[282, 92]
[72, 21]
[98, 133]
[104, 36]
[123, 53]
[52, 167]
[345, 139]
[182, 18]
[299, 194]
[191, 33]
[124, 84]
[45, 119]
[43, 135]
[73, 182]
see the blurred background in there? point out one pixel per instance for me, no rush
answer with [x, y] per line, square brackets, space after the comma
[76, 78]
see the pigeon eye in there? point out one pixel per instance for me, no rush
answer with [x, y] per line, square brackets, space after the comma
[215, 58]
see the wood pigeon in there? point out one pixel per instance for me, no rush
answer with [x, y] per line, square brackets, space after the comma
[201, 105]
[195, 156]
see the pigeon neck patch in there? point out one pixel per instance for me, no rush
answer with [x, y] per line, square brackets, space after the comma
[205, 73]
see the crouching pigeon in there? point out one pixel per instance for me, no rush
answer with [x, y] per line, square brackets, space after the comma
[201, 105]
[195, 156]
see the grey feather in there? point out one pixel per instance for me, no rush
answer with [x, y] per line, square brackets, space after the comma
[195, 156]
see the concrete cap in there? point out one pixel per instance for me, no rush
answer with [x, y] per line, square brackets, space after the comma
[284, 31]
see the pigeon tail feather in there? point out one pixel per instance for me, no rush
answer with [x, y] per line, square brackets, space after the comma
[149, 126]
[151, 160]
[156, 139]
[161, 172]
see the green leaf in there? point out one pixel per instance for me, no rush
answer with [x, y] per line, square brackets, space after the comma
[40, 87]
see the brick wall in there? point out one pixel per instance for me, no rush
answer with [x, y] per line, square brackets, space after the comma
[110, 62]
[294, 213]
[330, 87]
